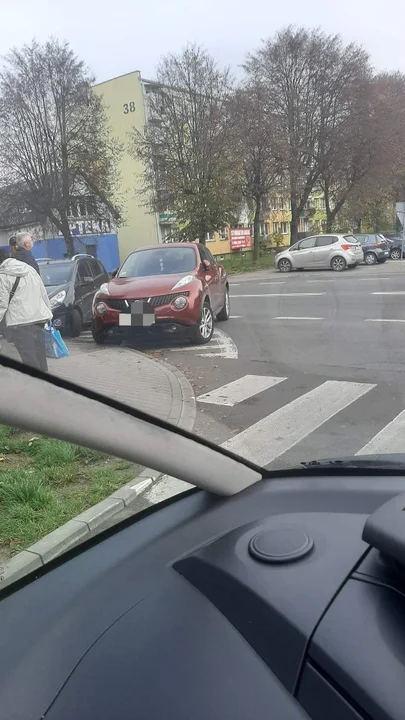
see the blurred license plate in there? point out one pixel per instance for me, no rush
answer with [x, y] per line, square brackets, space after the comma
[142, 315]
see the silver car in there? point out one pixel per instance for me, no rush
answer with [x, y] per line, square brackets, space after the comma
[337, 252]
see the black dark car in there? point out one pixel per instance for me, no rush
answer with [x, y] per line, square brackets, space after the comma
[71, 285]
[375, 247]
[394, 241]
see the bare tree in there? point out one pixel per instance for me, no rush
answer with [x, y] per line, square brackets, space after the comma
[306, 74]
[185, 147]
[258, 149]
[367, 155]
[54, 139]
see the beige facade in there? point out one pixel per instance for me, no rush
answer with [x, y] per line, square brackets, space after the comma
[124, 100]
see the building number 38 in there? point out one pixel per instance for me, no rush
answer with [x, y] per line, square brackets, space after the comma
[129, 107]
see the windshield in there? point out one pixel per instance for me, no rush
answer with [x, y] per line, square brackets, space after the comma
[222, 209]
[55, 273]
[161, 261]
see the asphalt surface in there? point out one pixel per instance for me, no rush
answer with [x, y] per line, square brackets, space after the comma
[309, 328]
[316, 366]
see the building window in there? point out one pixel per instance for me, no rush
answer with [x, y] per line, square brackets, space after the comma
[209, 237]
[322, 203]
[223, 234]
[276, 227]
[284, 228]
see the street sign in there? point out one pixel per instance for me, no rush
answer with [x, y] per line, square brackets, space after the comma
[240, 238]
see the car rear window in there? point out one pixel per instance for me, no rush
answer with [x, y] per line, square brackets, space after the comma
[159, 261]
[351, 239]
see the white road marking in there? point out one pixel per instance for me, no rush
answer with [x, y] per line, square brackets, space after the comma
[234, 317]
[267, 295]
[384, 320]
[274, 282]
[275, 434]
[390, 292]
[235, 284]
[280, 317]
[391, 439]
[226, 347]
[239, 390]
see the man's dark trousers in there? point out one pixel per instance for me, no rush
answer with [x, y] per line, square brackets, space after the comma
[30, 343]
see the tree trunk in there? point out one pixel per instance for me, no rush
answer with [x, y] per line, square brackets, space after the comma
[330, 216]
[256, 230]
[67, 235]
[294, 221]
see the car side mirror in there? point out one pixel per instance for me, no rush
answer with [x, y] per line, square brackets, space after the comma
[114, 273]
[86, 280]
[206, 264]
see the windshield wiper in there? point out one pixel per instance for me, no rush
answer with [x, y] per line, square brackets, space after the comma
[390, 461]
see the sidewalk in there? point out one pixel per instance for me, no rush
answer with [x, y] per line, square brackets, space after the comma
[128, 376]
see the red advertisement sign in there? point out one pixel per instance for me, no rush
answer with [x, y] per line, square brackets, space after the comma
[240, 238]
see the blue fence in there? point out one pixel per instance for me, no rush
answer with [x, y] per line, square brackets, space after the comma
[103, 247]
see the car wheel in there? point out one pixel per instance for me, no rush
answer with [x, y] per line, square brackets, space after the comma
[395, 254]
[76, 323]
[226, 310]
[284, 265]
[338, 263]
[370, 258]
[99, 336]
[203, 331]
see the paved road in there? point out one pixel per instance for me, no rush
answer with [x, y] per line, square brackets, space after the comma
[309, 366]
[318, 366]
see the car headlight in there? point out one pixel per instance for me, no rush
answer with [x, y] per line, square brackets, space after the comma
[57, 299]
[103, 289]
[180, 302]
[184, 281]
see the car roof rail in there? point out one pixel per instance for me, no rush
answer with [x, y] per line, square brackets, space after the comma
[82, 255]
[42, 259]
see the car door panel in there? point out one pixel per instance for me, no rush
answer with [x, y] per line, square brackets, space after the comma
[209, 275]
[218, 283]
[303, 255]
[323, 250]
[84, 289]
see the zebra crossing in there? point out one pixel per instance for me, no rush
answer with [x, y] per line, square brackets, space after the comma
[324, 417]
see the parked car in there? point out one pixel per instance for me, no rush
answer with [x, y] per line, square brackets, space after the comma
[337, 252]
[394, 241]
[71, 285]
[176, 286]
[375, 247]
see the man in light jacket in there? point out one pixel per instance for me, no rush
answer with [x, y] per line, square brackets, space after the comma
[25, 307]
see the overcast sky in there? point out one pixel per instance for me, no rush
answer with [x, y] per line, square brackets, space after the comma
[118, 36]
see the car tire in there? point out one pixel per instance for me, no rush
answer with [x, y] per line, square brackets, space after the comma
[395, 254]
[381, 262]
[203, 331]
[226, 310]
[338, 263]
[350, 267]
[99, 336]
[76, 323]
[284, 265]
[370, 258]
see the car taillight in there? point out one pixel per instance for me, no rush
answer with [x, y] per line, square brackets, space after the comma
[348, 247]
[379, 245]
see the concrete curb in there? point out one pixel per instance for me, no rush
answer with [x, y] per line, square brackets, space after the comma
[182, 413]
[79, 528]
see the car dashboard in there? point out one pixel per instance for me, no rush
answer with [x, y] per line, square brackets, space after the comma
[267, 604]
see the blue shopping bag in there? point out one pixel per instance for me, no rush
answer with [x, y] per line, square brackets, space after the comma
[54, 344]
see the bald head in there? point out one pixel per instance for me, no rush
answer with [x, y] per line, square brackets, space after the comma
[24, 240]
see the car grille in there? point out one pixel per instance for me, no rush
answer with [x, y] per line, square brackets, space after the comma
[156, 301]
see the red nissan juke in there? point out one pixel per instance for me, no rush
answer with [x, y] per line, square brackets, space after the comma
[177, 286]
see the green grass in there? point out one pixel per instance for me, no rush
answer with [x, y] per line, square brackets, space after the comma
[46, 482]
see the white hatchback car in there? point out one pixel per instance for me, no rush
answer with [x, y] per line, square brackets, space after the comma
[337, 252]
